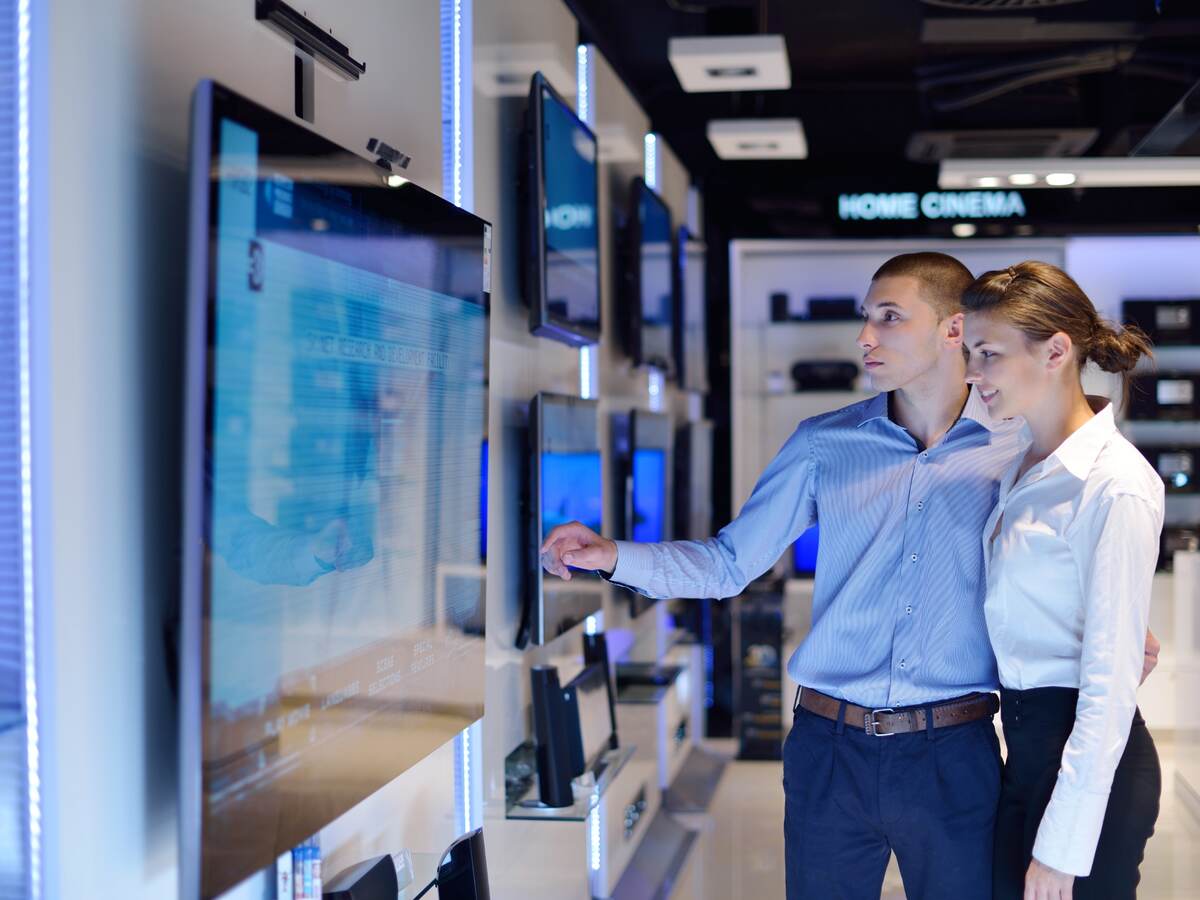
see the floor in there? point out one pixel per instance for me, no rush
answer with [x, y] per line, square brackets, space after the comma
[739, 848]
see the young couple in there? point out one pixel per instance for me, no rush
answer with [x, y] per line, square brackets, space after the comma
[983, 525]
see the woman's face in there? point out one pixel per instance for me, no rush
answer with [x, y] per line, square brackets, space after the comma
[1009, 370]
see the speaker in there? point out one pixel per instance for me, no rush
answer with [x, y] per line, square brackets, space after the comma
[371, 879]
[557, 754]
[463, 872]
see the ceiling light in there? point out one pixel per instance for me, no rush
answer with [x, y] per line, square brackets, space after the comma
[1086, 172]
[1060, 179]
[731, 63]
[396, 181]
[758, 138]
[987, 181]
[963, 229]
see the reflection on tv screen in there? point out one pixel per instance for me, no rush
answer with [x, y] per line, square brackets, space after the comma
[649, 493]
[572, 227]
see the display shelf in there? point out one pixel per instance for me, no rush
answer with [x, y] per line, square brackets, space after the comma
[520, 785]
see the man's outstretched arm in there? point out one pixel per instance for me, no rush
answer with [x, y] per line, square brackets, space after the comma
[781, 507]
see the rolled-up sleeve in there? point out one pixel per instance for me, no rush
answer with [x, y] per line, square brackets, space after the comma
[782, 505]
[1116, 551]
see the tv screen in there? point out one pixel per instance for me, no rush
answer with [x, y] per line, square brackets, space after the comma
[565, 485]
[649, 493]
[693, 481]
[591, 688]
[691, 330]
[337, 398]
[650, 308]
[804, 552]
[562, 237]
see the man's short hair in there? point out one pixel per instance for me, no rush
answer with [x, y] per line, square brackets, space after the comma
[943, 279]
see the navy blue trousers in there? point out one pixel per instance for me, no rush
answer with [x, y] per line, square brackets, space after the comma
[851, 799]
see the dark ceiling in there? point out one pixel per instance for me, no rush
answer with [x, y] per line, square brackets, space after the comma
[869, 74]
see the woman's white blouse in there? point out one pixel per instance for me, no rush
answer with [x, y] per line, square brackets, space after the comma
[1070, 553]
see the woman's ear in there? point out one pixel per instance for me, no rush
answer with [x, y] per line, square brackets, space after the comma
[1057, 350]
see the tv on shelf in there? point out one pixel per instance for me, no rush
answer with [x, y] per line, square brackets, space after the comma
[335, 410]
[561, 236]
[691, 327]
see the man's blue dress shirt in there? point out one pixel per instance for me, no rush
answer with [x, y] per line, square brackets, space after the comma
[898, 599]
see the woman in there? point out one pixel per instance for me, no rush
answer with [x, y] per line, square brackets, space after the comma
[1070, 551]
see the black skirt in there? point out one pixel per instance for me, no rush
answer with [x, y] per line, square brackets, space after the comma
[1037, 724]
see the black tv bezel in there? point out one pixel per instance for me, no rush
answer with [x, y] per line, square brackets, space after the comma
[533, 246]
[210, 103]
[533, 627]
[684, 248]
[685, 449]
[632, 318]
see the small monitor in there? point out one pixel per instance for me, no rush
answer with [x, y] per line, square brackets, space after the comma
[561, 238]
[693, 481]
[691, 328]
[804, 553]
[595, 713]
[642, 449]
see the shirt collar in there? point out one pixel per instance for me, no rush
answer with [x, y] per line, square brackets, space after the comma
[1077, 454]
[975, 410]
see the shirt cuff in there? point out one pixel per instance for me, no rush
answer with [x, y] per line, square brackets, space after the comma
[1070, 830]
[635, 565]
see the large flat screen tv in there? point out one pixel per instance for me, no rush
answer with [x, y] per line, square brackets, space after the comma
[691, 327]
[335, 410]
[565, 484]
[561, 237]
[648, 312]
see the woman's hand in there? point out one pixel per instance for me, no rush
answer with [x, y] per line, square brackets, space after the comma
[574, 544]
[1045, 883]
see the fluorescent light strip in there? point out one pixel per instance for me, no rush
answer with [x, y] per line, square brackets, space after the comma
[585, 371]
[651, 160]
[583, 77]
[594, 823]
[1090, 172]
[32, 748]
[654, 386]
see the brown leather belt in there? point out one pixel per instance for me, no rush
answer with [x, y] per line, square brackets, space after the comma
[887, 722]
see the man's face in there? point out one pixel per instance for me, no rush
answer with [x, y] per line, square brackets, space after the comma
[901, 338]
[1010, 371]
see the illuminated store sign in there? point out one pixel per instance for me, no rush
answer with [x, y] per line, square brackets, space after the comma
[569, 216]
[933, 205]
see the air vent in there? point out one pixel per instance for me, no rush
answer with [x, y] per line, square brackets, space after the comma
[933, 146]
[1000, 5]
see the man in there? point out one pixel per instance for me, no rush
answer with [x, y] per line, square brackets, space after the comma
[892, 748]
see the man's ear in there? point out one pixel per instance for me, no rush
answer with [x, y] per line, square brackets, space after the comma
[953, 326]
[1057, 350]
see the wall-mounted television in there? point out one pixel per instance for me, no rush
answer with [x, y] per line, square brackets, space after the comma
[642, 454]
[561, 236]
[336, 402]
[648, 305]
[691, 326]
[565, 484]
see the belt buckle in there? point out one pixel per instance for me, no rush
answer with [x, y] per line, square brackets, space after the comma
[871, 726]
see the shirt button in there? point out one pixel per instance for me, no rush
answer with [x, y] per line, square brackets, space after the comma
[920, 504]
[902, 664]
[908, 609]
[914, 557]
[925, 454]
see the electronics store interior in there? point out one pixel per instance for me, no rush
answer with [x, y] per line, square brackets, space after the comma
[562, 531]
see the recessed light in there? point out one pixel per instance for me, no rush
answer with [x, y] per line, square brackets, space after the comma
[1060, 179]
[758, 138]
[396, 181]
[963, 229]
[731, 63]
[987, 181]
[1022, 179]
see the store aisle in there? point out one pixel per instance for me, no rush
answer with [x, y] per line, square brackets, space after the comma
[739, 849]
